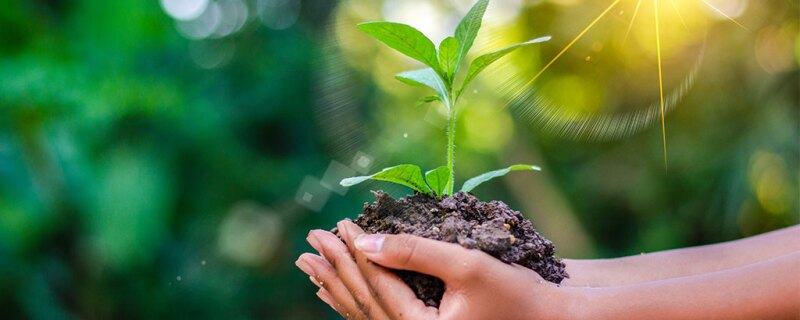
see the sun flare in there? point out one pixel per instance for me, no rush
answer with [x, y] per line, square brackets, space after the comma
[677, 6]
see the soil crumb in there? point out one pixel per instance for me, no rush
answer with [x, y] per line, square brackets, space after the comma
[492, 227]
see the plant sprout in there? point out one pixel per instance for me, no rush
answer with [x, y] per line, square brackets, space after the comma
[440, 75]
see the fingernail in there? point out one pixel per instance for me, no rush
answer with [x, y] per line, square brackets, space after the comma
[343, 231]
[369, 243]
[352, 228]
[315, 282]
[313, 241]
[303, 265]
[325, 298]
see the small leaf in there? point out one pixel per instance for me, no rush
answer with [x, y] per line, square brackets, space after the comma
[439, 180]
[405, 174]
[448, 57]
[425, 77]
[474, 182]
[485, 60]
[468, 28]
[405, 39]
[428, 99]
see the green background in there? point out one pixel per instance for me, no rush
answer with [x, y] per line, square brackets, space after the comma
[150, 171]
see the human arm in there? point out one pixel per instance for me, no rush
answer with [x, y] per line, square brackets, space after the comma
[682, 262]
[768, 289]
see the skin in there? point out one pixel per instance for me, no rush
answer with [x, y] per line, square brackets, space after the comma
[355, 281]
[682, 262]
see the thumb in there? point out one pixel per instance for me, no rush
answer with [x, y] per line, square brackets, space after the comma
[446, 261]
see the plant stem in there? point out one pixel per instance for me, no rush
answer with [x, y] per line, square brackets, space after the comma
[451, 143]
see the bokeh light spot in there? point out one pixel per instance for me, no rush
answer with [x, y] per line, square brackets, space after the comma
[211, 54]
[203, 26]
[335, 173]
[362, 162]
[487, 128]
[722, 8]
[278, 14]
[234, 15]
[184, 9]
[773, 48]
[408, 12]
[769, 180]
[312, 194]
[249, 234]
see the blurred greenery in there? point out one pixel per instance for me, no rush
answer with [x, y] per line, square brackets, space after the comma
[165, 159]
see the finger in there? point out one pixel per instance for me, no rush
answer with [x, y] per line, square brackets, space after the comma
[324, 276]
[447, 261]
[394, 296]
[339, 257]
[326, 297]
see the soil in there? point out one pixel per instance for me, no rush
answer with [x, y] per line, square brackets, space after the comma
[492, 227]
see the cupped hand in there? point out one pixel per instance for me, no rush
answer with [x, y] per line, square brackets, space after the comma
[356, 281]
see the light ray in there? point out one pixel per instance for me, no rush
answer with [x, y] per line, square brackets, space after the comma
[660, 84]
[578, 37]
[680, 16]
[725, 15]
[630, 25]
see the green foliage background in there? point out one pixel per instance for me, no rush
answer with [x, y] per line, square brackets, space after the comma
[123, 155]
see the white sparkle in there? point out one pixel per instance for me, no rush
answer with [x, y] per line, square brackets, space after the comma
[363, 162]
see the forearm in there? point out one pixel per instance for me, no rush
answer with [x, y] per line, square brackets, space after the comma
[764, 290]
[683, 262]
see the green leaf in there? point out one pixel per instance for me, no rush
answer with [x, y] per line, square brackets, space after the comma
[405, 39]
[439, 180]
[448, 57]
[405, 174]
[429, 99]
[425, 77]
[468, 28]
[474, 182]
[485, 60]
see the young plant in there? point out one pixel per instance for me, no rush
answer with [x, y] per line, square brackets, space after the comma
[440, 75]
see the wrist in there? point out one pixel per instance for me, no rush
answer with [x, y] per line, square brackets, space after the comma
[578, 303]
[592, 273]
[581, 273]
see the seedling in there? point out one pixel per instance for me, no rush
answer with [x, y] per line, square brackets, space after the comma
[440, 75]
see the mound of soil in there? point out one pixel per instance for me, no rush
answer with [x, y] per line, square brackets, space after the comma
[492, 227]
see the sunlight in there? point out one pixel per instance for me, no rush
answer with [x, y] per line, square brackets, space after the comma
[660, 49]
[678, 12]
[661, 85]
[578, 37]
[630, 25]
[722, 13]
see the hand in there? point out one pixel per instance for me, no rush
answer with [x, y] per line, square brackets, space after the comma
[478, 286]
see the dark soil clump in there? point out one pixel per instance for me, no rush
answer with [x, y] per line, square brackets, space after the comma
[492, 227]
